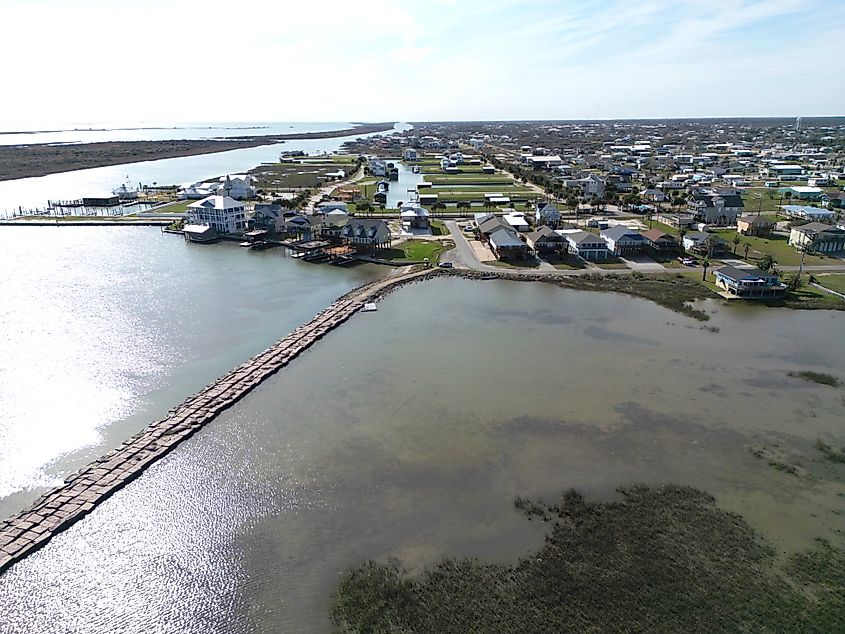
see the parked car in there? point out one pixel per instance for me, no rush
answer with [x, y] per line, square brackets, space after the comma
[686, 261]
[445, 265]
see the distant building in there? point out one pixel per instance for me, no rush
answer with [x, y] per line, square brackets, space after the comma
[815, 237]
[410, 154]
[237, 186]
[758, 226]
[803, 192]
[547, 214]
[415, 216]
[715, 207]
[800, 212]
[224, 214]
[705, 243]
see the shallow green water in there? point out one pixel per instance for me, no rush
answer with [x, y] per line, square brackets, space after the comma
[409, 431]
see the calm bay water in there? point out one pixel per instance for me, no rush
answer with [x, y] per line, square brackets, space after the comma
[104, 329]
[32, 193]
[408, 432]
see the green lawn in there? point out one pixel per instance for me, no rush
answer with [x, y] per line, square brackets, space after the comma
[833, 282]
[775, 245]
[178, 207]
[469, 179]
[514, 264]
[417, 251]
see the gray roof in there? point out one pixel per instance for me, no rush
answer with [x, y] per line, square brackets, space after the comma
[585, 236]
[818, 227]
[617, 232]
[731, 200]
[744, 274]
[504, 238]
[542, 231]
[491, 224]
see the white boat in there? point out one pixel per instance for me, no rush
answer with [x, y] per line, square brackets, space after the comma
[369, 308]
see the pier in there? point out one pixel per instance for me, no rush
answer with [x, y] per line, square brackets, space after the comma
[82, 491]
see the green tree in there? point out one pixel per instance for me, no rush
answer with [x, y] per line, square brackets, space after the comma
[705, 263]
[746, 246]
[736, 240]
[794, 281]
[767, 262]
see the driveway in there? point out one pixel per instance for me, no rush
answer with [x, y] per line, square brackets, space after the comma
[643, 264]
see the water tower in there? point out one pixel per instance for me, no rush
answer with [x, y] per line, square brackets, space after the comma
[798, 124]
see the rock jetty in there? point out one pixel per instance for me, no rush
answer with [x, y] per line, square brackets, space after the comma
[59, 508]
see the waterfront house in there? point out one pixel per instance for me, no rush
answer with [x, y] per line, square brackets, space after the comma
[268, 216]
[749, 283]
[816, 237]
[547, 214]
[199, 233]
[623, 241]
[410, 154]
[705, 244]
[660, 243]
[377, 167]
[544, 239]
[380, 198]
[758, 226]
[587, 246]
[223, 213]
[364, 233]
[507, 246]
[714, 207]
[302, 226]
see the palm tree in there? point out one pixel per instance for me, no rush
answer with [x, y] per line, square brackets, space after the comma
[736, 242]
[681, 233]
[767, 262]
[711, 242]
[746, 246]
[706, 263]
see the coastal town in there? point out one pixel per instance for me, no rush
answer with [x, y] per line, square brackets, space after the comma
[750, 209]
[443, 317]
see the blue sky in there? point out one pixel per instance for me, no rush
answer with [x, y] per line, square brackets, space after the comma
[165, 61]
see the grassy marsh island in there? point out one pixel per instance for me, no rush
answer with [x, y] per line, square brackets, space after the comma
[40, 159]
[664, 559]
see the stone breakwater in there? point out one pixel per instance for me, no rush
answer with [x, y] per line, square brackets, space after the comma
[59, 508]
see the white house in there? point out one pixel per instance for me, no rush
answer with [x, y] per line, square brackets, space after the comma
[237, 186]
[223, 213]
